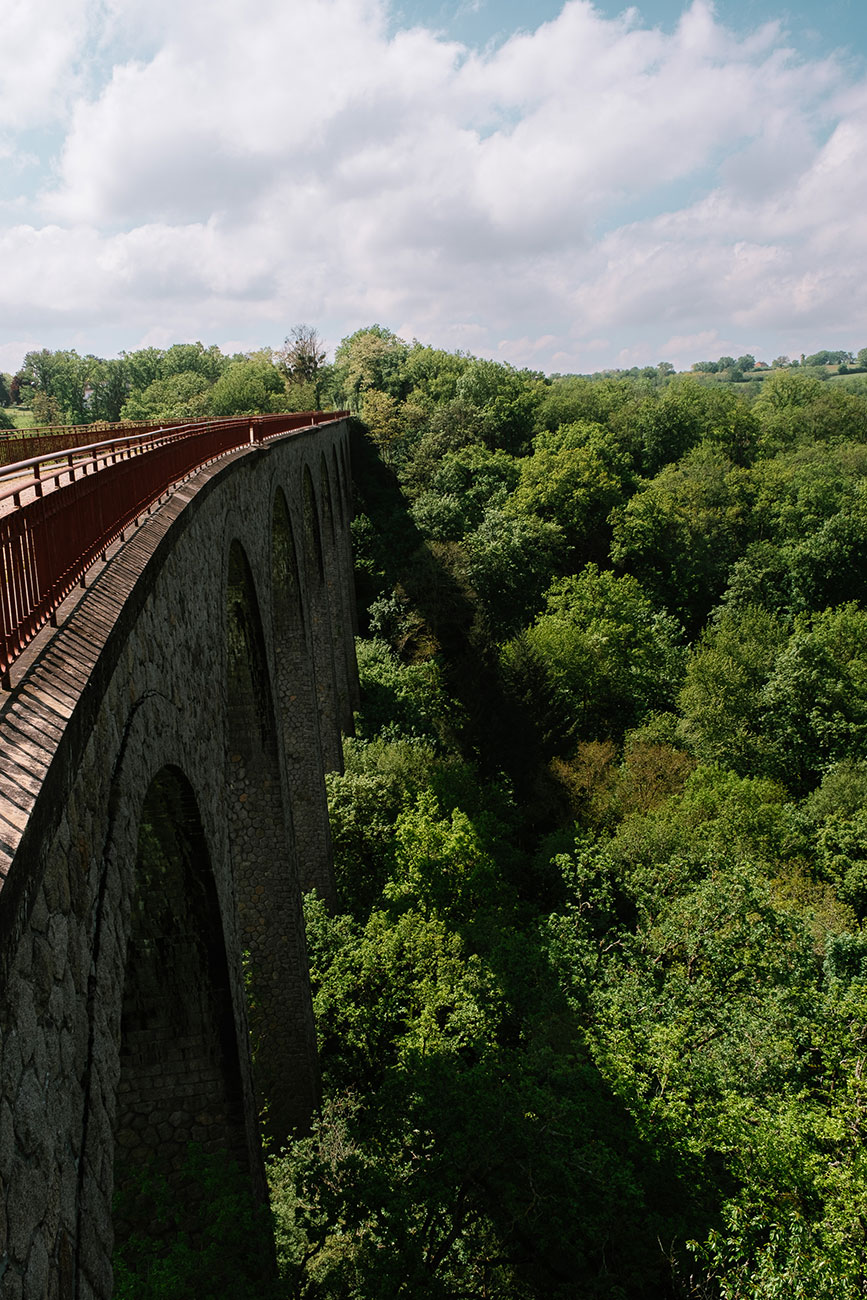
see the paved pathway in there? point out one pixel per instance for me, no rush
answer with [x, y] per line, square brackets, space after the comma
[10, 480]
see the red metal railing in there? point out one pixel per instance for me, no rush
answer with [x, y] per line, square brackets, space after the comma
[47, 544]
[15, 446]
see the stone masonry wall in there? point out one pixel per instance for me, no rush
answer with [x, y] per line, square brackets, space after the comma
[134, 683]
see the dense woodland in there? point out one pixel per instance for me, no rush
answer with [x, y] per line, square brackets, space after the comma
[593, 1018]
[593, 1013]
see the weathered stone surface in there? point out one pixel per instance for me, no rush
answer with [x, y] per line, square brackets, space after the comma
[11, 1067]
[138, 683]
[26, 1203]
[29, 1113]
[36, 1277]
[11, 1284]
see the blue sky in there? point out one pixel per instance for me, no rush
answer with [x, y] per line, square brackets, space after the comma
[566, 186]
[816, 27]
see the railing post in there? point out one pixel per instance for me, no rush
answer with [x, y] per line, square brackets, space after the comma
[169, 456]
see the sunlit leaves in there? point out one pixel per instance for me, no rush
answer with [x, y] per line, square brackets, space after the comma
[600, 656]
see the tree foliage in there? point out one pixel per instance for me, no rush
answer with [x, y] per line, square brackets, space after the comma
[591, 1007]
[302, 355]
[247, 387]
[602, 1036]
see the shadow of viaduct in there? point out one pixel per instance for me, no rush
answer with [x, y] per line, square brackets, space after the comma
[162, 809]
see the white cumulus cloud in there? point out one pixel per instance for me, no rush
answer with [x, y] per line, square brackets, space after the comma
[584, 190]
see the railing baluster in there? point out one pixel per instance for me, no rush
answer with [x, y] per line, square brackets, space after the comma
[47, 545]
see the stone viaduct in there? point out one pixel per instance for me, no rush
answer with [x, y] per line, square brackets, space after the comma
[162, 809]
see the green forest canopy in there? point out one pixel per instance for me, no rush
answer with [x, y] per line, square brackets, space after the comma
[189, 381]
[592, 1013]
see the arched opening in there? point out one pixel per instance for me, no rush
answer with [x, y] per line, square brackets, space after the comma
[338, 488]
[337, 569]
[298, 712]
[264, 869]
[343, 479]
[321, 631]
[312, 533]
[325, 497]
[180, 1124]
[347, 470]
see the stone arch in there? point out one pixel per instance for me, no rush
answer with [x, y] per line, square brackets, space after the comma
[336, 595]
[325, 496]
[346, 474]
[344, 479]
[179, 1066]
[337, 479]
[345, 570]
[270, 916]
[296, 697]
[321, 628]
[312, 530]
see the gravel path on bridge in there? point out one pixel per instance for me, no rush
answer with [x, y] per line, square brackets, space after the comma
[10, 480]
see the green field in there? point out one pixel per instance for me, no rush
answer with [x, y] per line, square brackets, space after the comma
[855, 382]
[20, 416]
